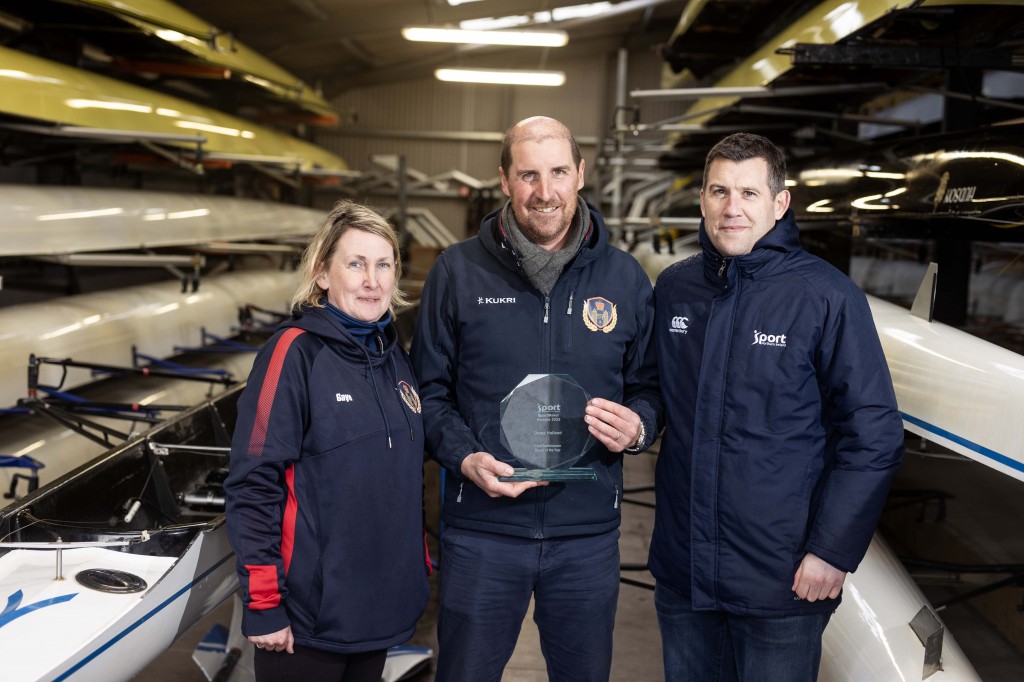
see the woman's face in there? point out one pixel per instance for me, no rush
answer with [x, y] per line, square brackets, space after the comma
[360, 276]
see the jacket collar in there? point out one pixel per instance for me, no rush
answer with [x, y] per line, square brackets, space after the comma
[493, 239]
[322, 323]
[767, 254]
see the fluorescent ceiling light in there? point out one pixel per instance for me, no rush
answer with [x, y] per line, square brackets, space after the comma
[491, 23]
[502, 76]
[545, 17]
[456, 3]
[457, 35]
[575, 11]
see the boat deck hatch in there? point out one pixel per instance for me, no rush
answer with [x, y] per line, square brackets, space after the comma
[109, 580]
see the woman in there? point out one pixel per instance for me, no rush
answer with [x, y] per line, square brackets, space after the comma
[324, 495]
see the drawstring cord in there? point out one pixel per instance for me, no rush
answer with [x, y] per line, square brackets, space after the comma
[380, 403]
[408, 419]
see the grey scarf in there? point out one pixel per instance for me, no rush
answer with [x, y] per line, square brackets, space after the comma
[542, 267]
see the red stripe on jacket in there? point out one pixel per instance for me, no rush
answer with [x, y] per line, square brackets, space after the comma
[259, 430]
[426, 555]
[291, 509]
[263, 592]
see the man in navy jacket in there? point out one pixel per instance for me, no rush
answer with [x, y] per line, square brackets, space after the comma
[538, 291]
[782, 433]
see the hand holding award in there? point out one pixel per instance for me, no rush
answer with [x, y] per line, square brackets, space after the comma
[542, 426]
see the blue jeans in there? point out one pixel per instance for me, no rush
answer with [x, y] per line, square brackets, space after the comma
[486, 584]
[705, 646]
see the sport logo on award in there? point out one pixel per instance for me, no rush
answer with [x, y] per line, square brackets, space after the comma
[542, 426]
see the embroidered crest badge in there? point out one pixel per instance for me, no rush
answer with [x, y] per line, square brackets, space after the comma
[600, 313]
[409, 396]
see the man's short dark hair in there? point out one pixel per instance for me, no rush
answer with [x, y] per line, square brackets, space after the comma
[514, 134]
[742, 146]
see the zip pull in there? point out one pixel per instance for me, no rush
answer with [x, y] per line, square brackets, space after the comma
[459, 498]
[568, 310]
[547, 308]
[389, 442]
[616, 505]
[721, 270]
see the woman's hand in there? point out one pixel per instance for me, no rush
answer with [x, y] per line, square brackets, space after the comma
[282, 640]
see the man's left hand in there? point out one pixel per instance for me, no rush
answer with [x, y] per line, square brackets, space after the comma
[616, 426]
[817, 579]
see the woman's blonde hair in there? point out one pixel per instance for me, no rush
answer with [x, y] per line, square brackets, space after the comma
[345, 216]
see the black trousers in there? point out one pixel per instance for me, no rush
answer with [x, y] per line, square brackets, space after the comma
[316, 665]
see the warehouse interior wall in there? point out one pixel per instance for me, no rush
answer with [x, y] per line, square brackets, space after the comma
[441, 127]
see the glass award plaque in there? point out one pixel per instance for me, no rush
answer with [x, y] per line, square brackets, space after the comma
[542, 426]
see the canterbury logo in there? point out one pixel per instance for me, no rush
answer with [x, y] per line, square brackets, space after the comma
[679, 325]
[481, 300]
[762, 339]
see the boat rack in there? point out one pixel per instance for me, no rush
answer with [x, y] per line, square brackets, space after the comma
[211, 343]
[175, 372]
[74, 412]
[254, 318]
[67, 417]
[22, 462]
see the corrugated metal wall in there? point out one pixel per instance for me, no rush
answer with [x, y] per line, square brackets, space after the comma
[585, 104]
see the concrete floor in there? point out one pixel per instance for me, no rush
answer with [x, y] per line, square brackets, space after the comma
[981, 524]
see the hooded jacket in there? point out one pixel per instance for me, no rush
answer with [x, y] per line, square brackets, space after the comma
[782, 432]
[324, 494]
[483, 327]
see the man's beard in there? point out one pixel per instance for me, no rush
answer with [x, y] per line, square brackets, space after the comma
[540, 231]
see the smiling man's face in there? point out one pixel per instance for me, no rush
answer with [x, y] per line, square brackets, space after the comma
[542, 182]
[738, 206]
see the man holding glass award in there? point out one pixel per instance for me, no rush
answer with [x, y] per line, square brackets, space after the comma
[536, 369]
